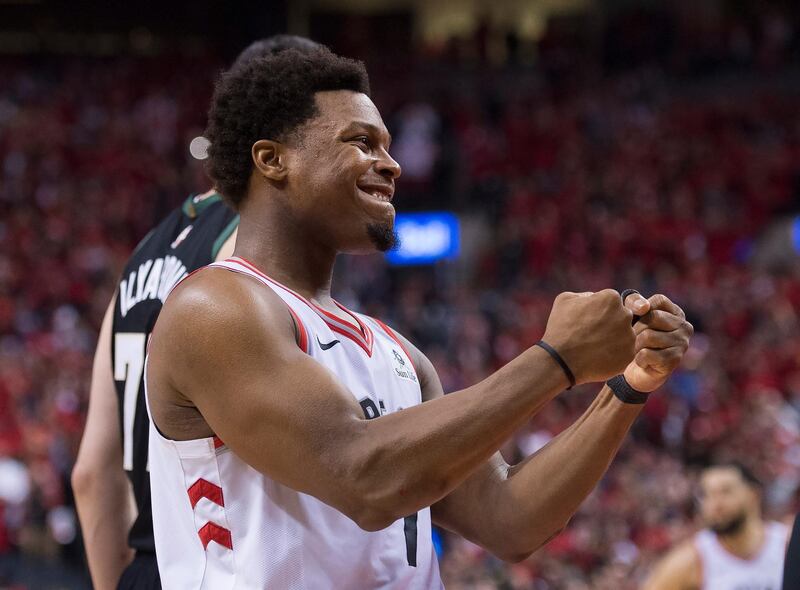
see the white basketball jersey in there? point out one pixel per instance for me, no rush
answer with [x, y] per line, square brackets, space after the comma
[724, 571]
[220, 524]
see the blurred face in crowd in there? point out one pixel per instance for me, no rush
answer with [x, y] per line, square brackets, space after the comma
[726, 499]
[342, 175]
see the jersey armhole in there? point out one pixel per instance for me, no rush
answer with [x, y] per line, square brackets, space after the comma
[142, 242]
[394, 337]
[300, 332]
[701, 569]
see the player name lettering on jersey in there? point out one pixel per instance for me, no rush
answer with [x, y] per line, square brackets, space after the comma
[154, 279]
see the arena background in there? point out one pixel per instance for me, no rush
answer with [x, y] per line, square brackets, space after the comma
[580, 143]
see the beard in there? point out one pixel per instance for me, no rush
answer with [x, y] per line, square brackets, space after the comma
[731, 526]
[383, 236]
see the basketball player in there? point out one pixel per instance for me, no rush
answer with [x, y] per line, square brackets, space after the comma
[114, 445]
[737, 549]
[298, 444]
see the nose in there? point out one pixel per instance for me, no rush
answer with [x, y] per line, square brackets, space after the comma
[388, 167]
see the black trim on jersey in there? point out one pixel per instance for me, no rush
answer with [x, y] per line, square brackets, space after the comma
[791, 566]
[180, 244]
[410, 531]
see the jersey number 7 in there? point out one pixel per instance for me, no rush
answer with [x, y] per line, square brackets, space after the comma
[129, 350]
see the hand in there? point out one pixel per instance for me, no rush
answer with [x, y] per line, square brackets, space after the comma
[662, 338]
[592, 332]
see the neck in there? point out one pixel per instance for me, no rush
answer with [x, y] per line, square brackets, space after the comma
[282, 249]
[747, 541]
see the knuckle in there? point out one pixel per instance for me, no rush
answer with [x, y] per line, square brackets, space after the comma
[609, 295]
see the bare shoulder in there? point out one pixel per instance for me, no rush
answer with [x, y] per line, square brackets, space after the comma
[216, 313]
[222, 301]
[680, 569]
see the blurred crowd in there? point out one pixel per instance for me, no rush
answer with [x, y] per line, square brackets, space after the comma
[632, 181]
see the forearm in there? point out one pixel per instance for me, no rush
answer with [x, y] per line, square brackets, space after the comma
[415, 457]
[543, 492]
[105, 513]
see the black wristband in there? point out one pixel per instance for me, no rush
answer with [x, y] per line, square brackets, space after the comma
[624, 392]
[561, 363]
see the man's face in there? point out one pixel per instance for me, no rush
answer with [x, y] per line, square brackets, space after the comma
[341, 177]
[726, 499]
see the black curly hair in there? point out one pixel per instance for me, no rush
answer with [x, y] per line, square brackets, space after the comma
[747, 474]
[274, 44]
[268, 98]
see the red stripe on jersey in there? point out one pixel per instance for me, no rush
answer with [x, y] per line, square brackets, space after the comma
[365, 330]
[302, 333]
[361, 334]
[394, 337]
[218, 442]
[205, 489]
[347, 334]
[214, 532]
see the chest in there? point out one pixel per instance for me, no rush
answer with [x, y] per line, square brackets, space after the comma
[372, 365]
[725, 572]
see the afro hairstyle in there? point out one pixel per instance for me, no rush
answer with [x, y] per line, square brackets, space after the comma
[274, 44]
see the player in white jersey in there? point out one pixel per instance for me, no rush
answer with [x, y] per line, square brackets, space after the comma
[737, 550]
[296, 444]
[117, 529]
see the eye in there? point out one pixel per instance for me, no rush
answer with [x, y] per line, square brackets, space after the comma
[363, 142]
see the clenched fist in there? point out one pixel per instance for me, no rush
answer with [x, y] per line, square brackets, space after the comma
[662, 338]
[592, 332]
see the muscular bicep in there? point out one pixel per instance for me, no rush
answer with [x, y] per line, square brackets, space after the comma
[228, 347]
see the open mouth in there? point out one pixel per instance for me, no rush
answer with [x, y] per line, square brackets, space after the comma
[381, 193]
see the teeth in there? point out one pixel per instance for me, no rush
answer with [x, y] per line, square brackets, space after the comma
[379, 195]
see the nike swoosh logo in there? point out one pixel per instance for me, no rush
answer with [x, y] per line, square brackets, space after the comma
[327, 345]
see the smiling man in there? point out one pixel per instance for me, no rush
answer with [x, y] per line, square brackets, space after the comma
[297, 444]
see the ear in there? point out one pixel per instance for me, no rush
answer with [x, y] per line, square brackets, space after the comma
[269, 159]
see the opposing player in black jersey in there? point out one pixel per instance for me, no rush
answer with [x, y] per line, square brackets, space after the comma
[117, 525]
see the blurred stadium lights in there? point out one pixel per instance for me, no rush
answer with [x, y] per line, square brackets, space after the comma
[796, 234]
[425, 238]
[198, 147]
[439, 20]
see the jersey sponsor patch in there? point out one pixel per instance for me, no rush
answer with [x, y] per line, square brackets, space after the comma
[401, 368]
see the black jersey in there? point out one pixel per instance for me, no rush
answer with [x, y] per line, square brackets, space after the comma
[189, 238]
